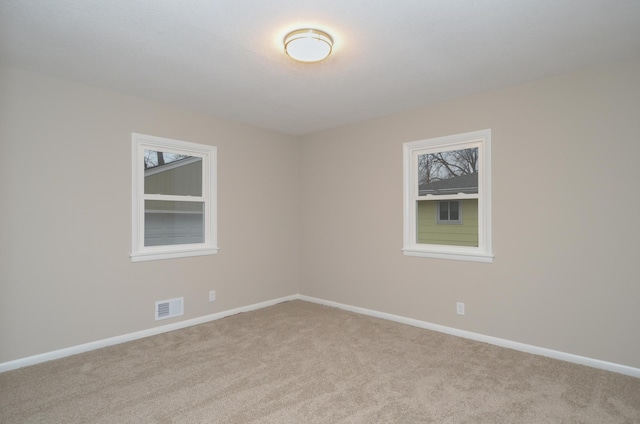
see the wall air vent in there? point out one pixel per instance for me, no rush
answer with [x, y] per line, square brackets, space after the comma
[169, 308]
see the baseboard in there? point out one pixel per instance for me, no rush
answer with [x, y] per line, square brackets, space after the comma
[568, 357]
[61, 353]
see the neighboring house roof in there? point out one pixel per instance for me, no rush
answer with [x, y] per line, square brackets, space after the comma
[467, 183]
[171, 165]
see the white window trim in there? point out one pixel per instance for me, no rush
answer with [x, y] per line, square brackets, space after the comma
[482, 253]
[140, 252]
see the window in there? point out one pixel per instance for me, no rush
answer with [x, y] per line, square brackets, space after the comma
[449, 212]
[447, 197]
[173, 199]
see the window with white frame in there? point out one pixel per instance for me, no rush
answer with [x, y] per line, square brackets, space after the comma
[449, 212]
[447, 197]
[173, 198]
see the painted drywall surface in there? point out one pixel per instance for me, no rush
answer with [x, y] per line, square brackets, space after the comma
[567, 283]
[565, 152]
[66, 277]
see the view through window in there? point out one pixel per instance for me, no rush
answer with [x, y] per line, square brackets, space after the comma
[447, 197]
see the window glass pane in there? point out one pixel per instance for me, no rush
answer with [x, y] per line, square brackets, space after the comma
[172, 174]
[444, 211]
[454, 211]
[448, 172]
[464, 232]
[171, 223]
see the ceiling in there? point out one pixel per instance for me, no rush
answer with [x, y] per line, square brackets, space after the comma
[225, 57]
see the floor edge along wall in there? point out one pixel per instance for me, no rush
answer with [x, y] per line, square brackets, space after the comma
[595, 363]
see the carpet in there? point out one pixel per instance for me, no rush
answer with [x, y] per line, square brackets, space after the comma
[299, 362]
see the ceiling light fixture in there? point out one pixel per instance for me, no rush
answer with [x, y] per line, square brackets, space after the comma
[308, 45]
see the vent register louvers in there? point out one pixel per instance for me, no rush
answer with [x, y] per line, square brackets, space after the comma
[169, 308]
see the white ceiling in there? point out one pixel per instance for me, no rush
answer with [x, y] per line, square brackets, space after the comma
[225, 57]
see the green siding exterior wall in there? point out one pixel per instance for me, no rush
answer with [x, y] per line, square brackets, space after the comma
[430, 232]
[183, 180]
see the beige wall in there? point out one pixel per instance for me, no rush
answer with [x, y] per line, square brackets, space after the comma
[321, 215]
[66, 277]
[565, 216]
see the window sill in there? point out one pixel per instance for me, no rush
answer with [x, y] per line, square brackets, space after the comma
[460, 256]
[154, 256]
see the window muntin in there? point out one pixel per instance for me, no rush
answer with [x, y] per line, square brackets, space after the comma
[174, 198]
[440, 174]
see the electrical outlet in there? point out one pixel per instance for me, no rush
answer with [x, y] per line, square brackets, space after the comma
[460, 308]
[212, 295]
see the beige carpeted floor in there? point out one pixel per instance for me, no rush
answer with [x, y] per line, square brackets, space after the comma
[299, 362]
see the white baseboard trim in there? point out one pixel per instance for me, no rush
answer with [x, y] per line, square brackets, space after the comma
[61, 353]
[568, 357]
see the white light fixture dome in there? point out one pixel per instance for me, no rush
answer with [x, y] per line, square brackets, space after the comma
[308, 45]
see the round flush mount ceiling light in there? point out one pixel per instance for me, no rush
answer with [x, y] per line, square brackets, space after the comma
[308, 45]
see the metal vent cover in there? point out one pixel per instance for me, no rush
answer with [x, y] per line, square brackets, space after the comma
[169, 308]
